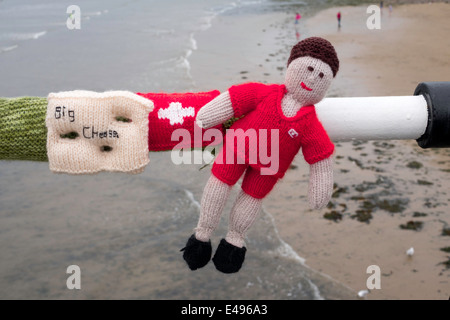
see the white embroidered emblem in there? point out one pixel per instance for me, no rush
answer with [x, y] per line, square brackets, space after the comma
[176, 113]
[293, 133]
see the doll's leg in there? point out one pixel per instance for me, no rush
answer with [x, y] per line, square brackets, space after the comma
[243, 215]
[255, 187]
[198, 250]
[213, 201]
[230, 254]
[217, 190]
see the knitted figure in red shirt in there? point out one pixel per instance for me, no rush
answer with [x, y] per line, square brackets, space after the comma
[281, 116]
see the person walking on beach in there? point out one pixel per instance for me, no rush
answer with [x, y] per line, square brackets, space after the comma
[297, 18]
[339, 19]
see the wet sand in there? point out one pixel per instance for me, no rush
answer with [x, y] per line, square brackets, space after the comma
[388, 185]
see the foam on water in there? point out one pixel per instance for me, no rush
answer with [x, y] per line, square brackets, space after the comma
[22, 36]
[6, 49]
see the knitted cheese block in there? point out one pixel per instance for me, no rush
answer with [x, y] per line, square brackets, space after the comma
[90, 132]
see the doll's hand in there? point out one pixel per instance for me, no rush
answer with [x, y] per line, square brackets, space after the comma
[215, 112]
[320, 183]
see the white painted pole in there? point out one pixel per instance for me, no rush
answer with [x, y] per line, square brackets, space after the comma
[373, 118]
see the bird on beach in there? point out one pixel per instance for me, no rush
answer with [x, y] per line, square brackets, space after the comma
[363, 293]
[410, 252]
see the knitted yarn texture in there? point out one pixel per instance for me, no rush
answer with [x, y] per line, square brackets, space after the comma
[307, 81]
[209, 117]
[90, 132]
[289, 110]
[262, 105]
[243, 215]
[318, 48]
[173, 111]
[213, 201]
[23, 134]
[320, 183]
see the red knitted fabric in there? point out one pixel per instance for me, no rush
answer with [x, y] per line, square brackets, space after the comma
[254, 183]
[262, 105]
[175, 111]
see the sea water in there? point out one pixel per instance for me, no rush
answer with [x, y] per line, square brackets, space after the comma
[138, 45]
[123, 231]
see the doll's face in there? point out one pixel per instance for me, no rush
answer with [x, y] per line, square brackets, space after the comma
[308, 80]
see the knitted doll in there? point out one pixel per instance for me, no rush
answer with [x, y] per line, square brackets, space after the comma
[286, 111]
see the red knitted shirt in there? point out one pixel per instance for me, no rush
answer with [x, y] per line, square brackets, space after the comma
[261, 105]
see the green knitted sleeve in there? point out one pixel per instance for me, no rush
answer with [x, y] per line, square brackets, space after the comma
[23, 134]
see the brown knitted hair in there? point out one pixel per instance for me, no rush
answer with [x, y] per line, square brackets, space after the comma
[318, 48]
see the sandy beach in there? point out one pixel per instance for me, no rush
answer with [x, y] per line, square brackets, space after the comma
[391, 182]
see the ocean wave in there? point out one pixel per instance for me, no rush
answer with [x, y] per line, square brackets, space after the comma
[284, 249]
[39, 34]
[183, 62]
[192, 42]
[192, 199]
[96, 13]
[89, 15]
[287, 251]
[22, 36]
[315, 289]
[206, 22]
[160, 33]
[6, 49]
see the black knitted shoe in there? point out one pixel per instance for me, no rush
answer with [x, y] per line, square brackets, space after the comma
[197, 253]
[229, 258]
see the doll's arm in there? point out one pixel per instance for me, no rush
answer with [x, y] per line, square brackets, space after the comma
[215, 112]
[320, 183]
[238, 101]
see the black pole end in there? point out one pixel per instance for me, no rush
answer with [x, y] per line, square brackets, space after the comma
[437, 95]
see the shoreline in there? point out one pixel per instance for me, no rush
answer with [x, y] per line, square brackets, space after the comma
[373, 178]
[246, 59]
